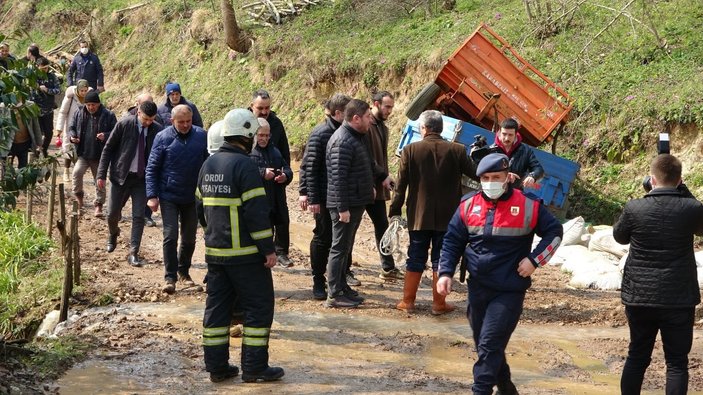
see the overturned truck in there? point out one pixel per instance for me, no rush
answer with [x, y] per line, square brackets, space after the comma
[486, 81]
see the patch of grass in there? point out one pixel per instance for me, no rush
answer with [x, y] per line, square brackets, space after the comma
[27, 279]
[50, 357]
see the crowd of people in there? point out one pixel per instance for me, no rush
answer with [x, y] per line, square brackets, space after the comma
[233, 179]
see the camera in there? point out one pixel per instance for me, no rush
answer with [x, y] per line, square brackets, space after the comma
[480, 148]
[662, 148]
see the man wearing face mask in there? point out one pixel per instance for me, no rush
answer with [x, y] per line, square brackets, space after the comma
[239, 251]
[494, 229]
[86, 66]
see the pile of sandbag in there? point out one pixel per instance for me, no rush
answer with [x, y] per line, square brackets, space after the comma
[590, 255]
[593, 257]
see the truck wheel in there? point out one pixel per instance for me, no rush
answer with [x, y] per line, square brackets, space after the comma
[427, 96]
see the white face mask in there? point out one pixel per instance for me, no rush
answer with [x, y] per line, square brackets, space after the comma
[493, 189]
[84, 50]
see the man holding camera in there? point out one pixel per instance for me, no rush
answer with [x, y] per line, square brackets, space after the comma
[276, 174]
[659, 284]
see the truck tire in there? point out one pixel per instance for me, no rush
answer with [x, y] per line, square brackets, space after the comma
[427, 96]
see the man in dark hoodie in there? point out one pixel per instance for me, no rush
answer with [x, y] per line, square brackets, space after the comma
[89, 129]
[525, 169]
[174, 98]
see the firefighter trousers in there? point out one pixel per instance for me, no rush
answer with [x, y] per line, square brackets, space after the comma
[253, 285]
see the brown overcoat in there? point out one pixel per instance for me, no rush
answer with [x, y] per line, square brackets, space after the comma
[430, 170]
[376, 141]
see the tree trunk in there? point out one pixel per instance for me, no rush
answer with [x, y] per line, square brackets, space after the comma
[236, 39]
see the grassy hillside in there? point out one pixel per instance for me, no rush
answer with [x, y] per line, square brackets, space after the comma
[626, 85]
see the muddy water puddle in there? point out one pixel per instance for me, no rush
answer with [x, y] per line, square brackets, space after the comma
[341, 352]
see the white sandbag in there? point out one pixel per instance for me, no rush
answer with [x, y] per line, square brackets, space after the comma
[579, 259]
[573, 229]
[598, 275]
[621, 265]
[700, 277]
[565, 253]
[603, 240]
[610, 281]
[699, 258]
[585, 239]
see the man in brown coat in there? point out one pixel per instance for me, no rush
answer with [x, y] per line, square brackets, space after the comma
[377, 142]
[430, 170]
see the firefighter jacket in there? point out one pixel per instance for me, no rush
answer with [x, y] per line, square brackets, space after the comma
[495, 236]
[233, 208]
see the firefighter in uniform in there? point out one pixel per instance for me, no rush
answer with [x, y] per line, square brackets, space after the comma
[494, 230]
[239, 252]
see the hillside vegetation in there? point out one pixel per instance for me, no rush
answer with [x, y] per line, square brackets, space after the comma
[630, 75]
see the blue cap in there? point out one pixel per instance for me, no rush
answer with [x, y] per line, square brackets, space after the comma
[172, 87]
[491, 163]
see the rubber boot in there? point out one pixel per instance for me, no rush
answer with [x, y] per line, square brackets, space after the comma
[99, 211]
[439, 305]
[412, 282]
[507, 388]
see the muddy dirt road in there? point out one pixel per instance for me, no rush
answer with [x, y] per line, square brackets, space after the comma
[568, 341]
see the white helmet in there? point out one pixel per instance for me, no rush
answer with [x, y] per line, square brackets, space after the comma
[214, 137]
[240, 122]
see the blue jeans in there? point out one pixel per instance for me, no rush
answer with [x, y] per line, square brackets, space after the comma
[420, 241]
[134, 188]
[178, 260]
[493, 316]
[676, 326]
[342, 240]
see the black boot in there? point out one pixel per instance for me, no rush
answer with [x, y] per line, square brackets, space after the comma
[319, 291]
[271, 373]
[506, 388]
[232, 371]
[112, 242]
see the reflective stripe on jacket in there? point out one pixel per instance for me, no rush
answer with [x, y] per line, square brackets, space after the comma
[496, 235]
[233, 208]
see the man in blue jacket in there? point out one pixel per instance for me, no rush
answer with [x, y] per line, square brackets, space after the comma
[86, 66]
[659, 283]
[494, 230]
[171, 180]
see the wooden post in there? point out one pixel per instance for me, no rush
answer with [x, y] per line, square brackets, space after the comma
[30, 195]
[68, 267]
[52, 200]
[61, 223]
[75, 245]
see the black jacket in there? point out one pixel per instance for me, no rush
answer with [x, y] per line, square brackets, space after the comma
[90, 148]
[121, 146]
[229, 182]
[86, 67]
[270, 157]
[278, 135]
[349, 170]
[313, 168]
[45, 101]
[660, 270]
[523, 161]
